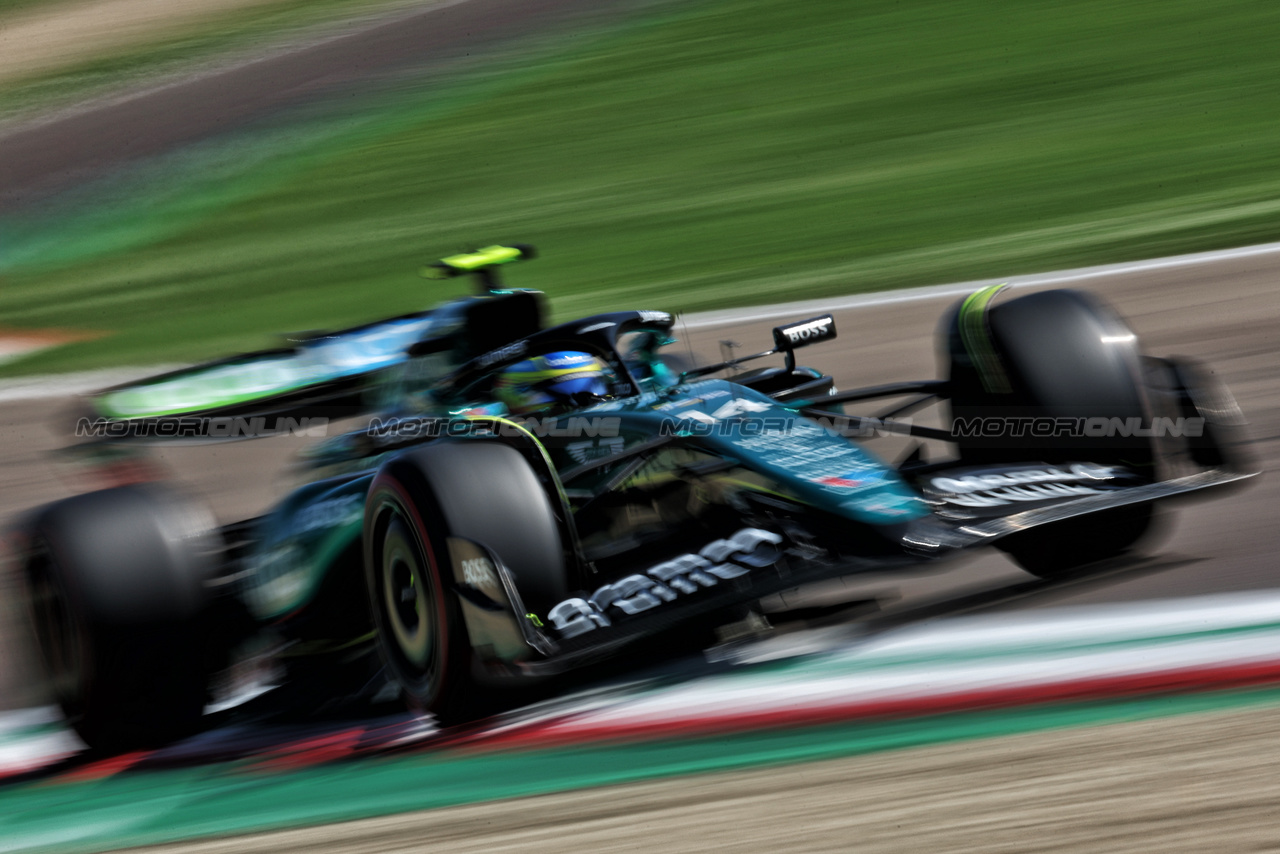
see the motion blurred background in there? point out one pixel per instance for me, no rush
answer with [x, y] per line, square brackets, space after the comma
[162, 201]
[183, 179]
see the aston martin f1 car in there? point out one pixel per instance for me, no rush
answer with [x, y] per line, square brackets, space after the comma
[518, 499]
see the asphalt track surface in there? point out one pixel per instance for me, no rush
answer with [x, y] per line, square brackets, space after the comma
[1227, 313]
[1191, 784]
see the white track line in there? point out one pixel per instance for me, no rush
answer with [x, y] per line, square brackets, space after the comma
[961, 656]
[66, 385]
[1060, 277]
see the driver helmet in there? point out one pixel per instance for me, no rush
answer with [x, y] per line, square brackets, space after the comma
[561, 380]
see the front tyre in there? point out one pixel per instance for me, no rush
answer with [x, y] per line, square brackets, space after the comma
[1061, 356]
[479, 491]
[1068, 549]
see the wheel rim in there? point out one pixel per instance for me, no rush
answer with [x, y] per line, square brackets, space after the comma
[409, 601]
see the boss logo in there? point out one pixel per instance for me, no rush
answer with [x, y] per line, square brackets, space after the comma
[808, 332]
[478, 572]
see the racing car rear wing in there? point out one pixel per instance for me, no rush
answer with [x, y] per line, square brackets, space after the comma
[320, 376]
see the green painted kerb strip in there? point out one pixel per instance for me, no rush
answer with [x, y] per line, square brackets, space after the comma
[977, 340]
[149, 808]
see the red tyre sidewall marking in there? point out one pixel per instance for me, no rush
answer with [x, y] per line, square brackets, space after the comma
[386, 483]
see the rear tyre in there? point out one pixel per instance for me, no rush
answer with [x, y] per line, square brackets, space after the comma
[1058, 354]
[120, 610]
[480, 491]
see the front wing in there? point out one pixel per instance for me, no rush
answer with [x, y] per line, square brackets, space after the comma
[723, 576]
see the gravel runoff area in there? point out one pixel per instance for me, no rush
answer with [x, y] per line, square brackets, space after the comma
[1199, 784]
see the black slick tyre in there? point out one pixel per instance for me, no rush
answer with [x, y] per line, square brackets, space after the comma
[480, 491]
[116, 583]
[1056, 356]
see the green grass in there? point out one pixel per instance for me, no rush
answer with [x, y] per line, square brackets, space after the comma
[708, 154]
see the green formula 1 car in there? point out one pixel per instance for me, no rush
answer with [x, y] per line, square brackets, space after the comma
[518, 500]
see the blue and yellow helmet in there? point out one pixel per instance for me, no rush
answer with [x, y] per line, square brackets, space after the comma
[560, 380]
